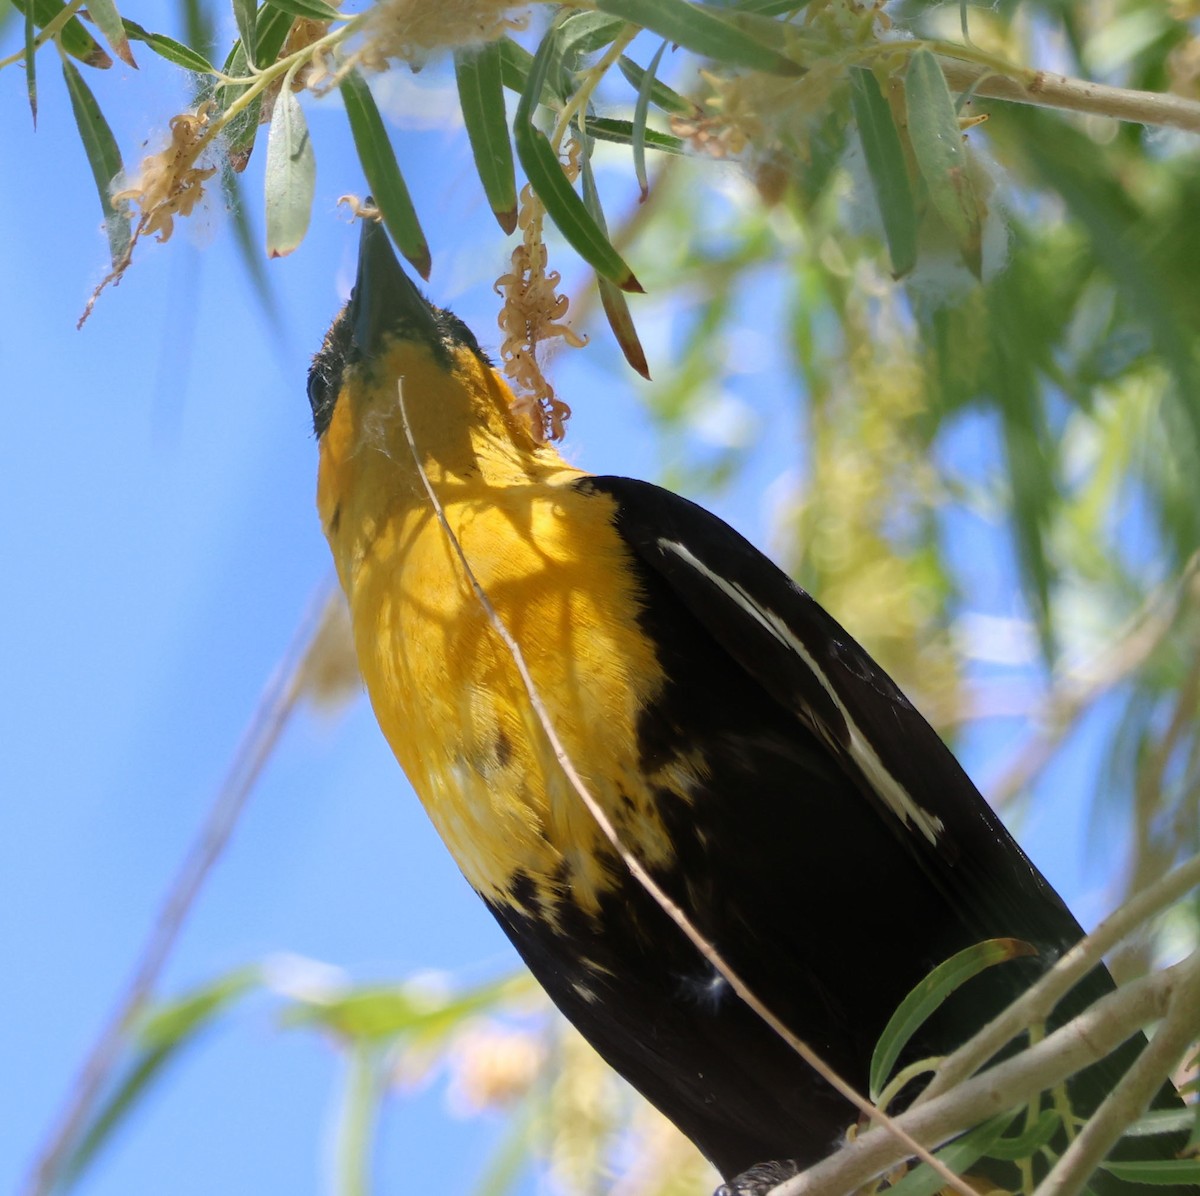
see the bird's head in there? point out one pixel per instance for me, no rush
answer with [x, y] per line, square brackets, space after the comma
[458, 408]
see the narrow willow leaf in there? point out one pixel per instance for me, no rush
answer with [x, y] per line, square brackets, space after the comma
[481, 95]
[607, 128]
[168, 48]
[108, 20]
[767, 8]
[309, 10]
[640, 110]
[515, 64]
[291, 175]
[926, 997]
[31, 64]
[170, 1027]
[1164, 1121]
[612, 299]
[1159, 1171]
[545, 174]
[936, 139]
[102, 154]
[246, 17]
[383, 172]
[888, 170]
[73, 37]
[661, 96]
[584, 33]
[962, 1153]
[702, 30]
[1026, 1144]
[272, 30]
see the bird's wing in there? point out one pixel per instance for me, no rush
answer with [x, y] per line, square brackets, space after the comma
[813, 668]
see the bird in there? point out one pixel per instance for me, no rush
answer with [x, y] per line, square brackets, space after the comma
[764, 770]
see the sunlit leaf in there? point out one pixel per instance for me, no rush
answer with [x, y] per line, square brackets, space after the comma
[108, 20]
[290, 177]
[102, 154]
[384, 179]
[1158, 1171]
[481, 95]
[169, 48]
[584, 33]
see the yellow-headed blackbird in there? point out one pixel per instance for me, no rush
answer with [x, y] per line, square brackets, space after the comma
[755, 759]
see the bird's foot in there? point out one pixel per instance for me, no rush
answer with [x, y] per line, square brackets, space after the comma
[760, 1179]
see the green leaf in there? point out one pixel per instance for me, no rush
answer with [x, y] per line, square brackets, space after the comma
[936, 139]
[1159, 1171]
[272, 29]
[291, 175]
[308, 10]
[380, 1014]
[888, 170]
[640, 110]
[481, 95]
[163, 1034]
[168, 48]
[660, 94]
[962, 1153]
[545, 174]
[103, 156]
[73, 37]
[1164, 1121]
[31, 64]
[108, 20]
[703, 31]
[383, 172]
[606, 128]
[926, 997]
[248, 244]
[612, 299]
[1026, 1144]
[583, 33]
[246, 17]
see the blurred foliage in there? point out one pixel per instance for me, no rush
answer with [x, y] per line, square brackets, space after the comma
[989, 326]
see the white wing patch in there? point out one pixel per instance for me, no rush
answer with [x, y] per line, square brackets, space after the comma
[896, 797]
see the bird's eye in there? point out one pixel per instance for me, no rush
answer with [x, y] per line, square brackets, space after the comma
[318, 390]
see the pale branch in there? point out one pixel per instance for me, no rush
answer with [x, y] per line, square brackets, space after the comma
[1035, 1004]
[1136, 1088]
[1086, 1039]
[1049, 90]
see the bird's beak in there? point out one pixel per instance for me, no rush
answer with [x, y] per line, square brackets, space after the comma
[384, 300]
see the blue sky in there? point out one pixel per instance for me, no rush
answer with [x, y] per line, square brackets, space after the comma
[157, 474]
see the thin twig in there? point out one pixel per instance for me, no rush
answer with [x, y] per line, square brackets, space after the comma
[636, 868]
[271, 716]
[1035, 1004]
[1095, 1033]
